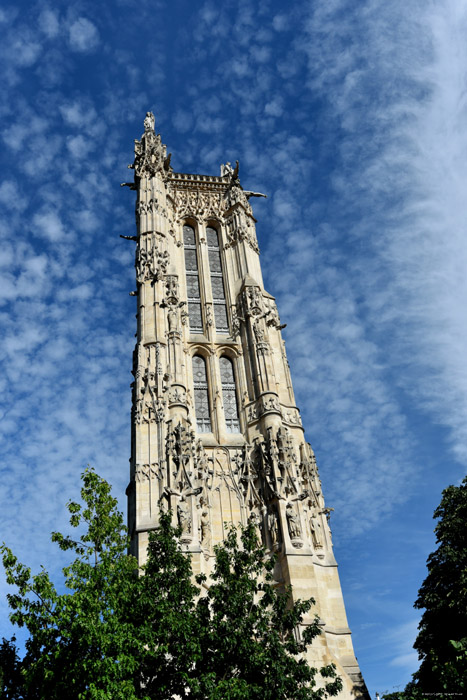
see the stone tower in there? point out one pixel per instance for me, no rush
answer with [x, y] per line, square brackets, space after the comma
[216, 434]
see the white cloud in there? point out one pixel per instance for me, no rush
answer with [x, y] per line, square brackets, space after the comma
[49, 225]
[83, 35]
[401, 639]
[274, 108]
[49, 23]
[24, 49]
[79, 146]
[11, 196]
[280, 22]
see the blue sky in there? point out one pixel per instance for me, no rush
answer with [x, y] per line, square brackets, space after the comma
[352, 118]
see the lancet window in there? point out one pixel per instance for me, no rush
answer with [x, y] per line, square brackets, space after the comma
[200, 382]
[217, 282]
[192, 280]
[229, 397]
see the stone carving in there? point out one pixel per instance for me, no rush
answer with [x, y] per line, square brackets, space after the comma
[204, 469]
[293, 417]
[273, 528]
[209, 316]
[272, 315]
[178, 395]
[235, 321]
[172, 304]
[327, 512]
[146, 471]
[184, 517]
[152, 206]
[277, 464]
[205, 528]
[252, 413]
[180, 448]
[149, 408]
[172, 319]
[198, 202]
[240, 227]
[226, 170]
[271, 404]
[254, 299]
[150, 153]
[235, 195]
[316, 531]
[258, 331]
[293, 522]
[309, 477]
[151, 263]
[255, 520]
[171, 289]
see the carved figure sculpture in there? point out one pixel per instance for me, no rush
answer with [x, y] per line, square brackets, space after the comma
[255, 520]
[315, 529]
[149, 121]
[273, 527]
[183, 517]
[226, 170]
[205, 527]
[258, 331]
[172, 319]
[293, 522]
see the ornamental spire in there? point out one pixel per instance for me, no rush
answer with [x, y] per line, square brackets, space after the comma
[150, 153]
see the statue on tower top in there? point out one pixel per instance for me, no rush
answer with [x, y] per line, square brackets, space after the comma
[150, 153]
[149, 122]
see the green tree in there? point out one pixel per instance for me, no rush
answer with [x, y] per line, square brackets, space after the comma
[441, 641]
[442, 630]
[116, 634]
[81, 644]
[250, 642]
[11, 681]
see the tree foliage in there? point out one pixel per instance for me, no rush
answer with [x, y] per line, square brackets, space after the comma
[81, 644]
[118, 634]
[441, 642]
[11, 681]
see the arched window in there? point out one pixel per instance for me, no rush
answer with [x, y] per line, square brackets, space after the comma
[200, 381]
[217, 283]
[192, 280]
[229, 397]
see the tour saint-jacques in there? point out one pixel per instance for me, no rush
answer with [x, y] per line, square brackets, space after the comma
[216, 434]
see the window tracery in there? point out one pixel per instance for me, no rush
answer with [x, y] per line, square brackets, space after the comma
[229, 396]
[217, 281]
[192, 280]
[200, 385]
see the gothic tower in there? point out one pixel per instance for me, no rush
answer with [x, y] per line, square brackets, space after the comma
[216, 434]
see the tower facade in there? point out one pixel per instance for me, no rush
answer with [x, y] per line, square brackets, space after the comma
[216, 434]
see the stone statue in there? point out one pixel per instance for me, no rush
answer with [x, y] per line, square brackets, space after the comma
[258, 331]
[183, 517]
[226, 170]
[315, 529]
[273, 527]
[149, 122]
[172, 319]
[205, 527]
[255, 520]
[293, 522]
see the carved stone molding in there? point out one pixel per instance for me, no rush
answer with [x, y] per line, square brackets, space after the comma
[198, 202]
